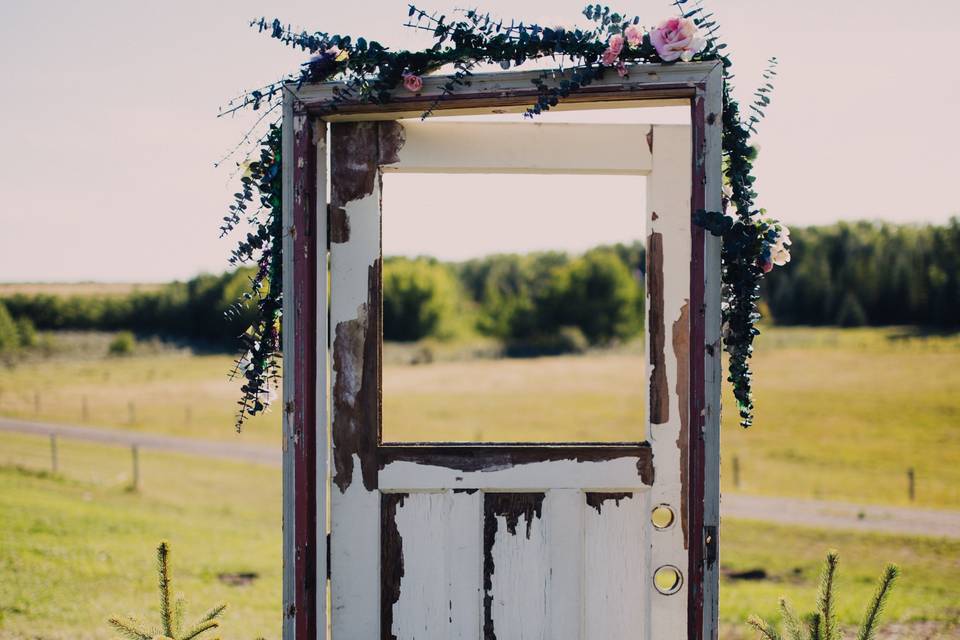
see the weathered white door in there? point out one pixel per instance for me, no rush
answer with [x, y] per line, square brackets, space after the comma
[435, 541]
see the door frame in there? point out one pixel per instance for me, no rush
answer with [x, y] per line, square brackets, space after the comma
[307, 229]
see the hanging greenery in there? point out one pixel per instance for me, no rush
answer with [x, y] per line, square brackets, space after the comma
[370, 72]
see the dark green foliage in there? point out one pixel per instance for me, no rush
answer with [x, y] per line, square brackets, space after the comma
[27, 332]
[192, 310]
[868, 273]
[527, 300]
[822, 624]
[9, 335]
[171, 611]
[421, 298]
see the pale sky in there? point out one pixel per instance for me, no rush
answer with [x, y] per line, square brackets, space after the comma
[109, 131]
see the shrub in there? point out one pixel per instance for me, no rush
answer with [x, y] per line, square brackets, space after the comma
[9, 335]
[122, 344]
[27, 332]
[421, 298]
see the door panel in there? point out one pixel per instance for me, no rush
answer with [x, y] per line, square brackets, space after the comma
[508, 541]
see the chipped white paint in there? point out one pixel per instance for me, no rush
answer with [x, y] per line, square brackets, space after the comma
[440, 588]
[668, 214]
[435, 146]
[563, 515]
[580, 574]
[354, 513]
[615, 587]
[520, 584]
[559, 474]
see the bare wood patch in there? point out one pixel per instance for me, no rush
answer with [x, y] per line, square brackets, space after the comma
[391, 561]
[353, 166]
[659, 394]
[681, 349]
[356, 391]
[392, 139]
[596, 499]
[339, 224]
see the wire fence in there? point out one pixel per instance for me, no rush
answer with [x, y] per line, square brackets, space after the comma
[60, 455]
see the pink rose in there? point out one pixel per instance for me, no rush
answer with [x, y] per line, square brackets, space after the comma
[615, 44]
[677, 38]
[634, 35]
[412, 82]
[766, 266]
[612, 52]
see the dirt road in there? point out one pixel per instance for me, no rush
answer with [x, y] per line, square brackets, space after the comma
[796, 511]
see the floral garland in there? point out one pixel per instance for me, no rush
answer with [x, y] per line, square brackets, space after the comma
[370, 72]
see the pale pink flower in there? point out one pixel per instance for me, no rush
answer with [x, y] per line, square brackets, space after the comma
[780, 251]
[634, 35]
[676, 38]
[612, 52]
[412, 82]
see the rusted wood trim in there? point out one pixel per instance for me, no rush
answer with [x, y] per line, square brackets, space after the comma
[289, 400]
[695, 451]
[304, 321]
[506, 89]
[493, 458]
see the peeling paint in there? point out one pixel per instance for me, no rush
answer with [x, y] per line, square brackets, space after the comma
[681, 350]
[496, 458]
[510, 506]
[356, 390]
[339, 224]
[391, 561]
[650, 139]
[596, 500]
[392, 139]
[659, 394]
[353, 166]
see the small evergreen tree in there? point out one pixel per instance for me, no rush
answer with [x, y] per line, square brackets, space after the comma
[822, 624]
[171, 611]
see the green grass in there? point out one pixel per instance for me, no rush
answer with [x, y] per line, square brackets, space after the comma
[171, 393]
[73, 552]
[841, 414]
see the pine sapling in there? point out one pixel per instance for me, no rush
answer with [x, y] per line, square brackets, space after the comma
[822, 624]
[171, 611]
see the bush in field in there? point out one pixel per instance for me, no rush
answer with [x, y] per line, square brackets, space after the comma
[123, 344]
[598, 294]
[9, 335]
[421, 298]
[27, 332]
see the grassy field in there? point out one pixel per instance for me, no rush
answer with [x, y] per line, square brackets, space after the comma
[841, 414]
[78, 547]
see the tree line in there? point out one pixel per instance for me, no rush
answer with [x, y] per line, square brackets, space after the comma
[846, 274]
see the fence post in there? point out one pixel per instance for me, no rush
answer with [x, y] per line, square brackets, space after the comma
[84, 410]
[736, 472]
[36, 402]
[132, 411]
[135, 455]
[911, 484]
[188, 415]
[54, 463]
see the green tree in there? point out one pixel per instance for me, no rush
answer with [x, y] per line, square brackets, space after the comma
[9, 335]
[421, 298]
